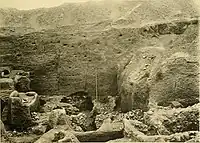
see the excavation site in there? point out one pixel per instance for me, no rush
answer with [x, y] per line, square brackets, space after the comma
[100, 71]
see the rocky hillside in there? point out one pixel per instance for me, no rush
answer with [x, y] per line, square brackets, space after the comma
[134, 12]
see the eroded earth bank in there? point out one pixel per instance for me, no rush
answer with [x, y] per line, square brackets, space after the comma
[106, 71]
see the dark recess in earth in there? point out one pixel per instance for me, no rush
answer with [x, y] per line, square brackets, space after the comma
[79, 99]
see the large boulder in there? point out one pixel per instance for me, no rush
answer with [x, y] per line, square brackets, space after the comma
[109, 125]
[131, 132]
[109, 130]
[153, 77]
[59, 135]
[176, 80]
[17, 113]
[134, 77]
[58, 128]
[84, 120]
[58, 117]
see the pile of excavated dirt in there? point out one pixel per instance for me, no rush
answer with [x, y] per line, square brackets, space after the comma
[116, 71]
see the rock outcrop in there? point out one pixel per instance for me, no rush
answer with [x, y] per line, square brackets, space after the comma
[176, 80]
[133, 84]
[152, 78]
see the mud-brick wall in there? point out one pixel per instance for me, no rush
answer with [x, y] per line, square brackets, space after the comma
[64, 63]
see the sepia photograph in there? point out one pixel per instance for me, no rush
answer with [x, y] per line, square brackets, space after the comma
[107, 71]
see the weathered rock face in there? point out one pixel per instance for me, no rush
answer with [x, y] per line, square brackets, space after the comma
[133, 81]
[84, 57]
[153, 77]
[176, 80]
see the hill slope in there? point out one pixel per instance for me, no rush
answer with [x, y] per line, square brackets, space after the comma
[135, 11]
